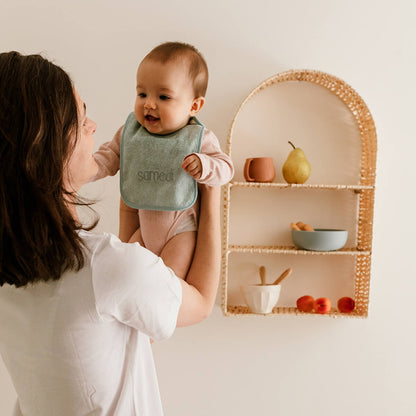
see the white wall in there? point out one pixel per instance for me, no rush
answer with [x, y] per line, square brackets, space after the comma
[251, 365]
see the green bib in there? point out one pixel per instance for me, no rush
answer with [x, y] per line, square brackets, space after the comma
[151, 176]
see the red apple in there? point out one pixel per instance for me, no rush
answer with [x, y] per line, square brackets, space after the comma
[346, 304]
[322, 305]
[305, 303]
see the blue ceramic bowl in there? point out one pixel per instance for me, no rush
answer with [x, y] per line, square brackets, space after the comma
[320, 239]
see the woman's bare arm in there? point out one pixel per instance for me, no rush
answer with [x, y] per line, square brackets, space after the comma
[200, 288]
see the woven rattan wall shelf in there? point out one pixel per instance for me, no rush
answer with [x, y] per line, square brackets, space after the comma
[356, 256]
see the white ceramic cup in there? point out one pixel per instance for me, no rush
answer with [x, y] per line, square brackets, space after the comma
[261, 298]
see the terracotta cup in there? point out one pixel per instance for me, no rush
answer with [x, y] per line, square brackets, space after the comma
[259, 169]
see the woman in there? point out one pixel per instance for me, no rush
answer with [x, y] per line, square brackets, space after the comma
[76, 308]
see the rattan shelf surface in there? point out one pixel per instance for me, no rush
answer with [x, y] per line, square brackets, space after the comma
[298, 186]
[351, 251]
[241, 310]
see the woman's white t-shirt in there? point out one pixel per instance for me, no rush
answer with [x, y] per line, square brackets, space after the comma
[80, 345]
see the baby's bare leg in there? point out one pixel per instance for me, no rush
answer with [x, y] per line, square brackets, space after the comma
[178, 252]
[129, 222]
[137, 237]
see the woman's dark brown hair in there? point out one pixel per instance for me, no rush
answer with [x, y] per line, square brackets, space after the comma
[38, 116]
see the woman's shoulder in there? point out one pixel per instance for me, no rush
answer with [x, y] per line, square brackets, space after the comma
[133, 285]
[101, 246]
[94, 242]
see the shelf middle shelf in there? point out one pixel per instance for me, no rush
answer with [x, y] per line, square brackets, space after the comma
[352, 251]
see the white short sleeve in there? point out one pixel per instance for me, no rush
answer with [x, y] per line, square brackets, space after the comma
[135, 287]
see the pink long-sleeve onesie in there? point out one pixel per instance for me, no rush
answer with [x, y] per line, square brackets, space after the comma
[158, 227]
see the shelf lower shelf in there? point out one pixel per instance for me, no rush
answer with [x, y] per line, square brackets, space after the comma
[351, 251]
[236, 310]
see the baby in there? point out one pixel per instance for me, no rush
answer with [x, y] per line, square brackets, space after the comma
[171, 85]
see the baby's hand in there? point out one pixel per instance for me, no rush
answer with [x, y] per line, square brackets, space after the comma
[192, 164]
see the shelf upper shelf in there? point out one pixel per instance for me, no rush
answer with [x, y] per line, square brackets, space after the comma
[298, 186]
[351, 251]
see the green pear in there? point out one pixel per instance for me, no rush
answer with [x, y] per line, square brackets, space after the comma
[296, 169]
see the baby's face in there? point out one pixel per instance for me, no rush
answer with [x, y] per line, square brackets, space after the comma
[165, 98]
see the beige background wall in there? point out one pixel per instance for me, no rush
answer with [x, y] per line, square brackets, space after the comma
[250, 365]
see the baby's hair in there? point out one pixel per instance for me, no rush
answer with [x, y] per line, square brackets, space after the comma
[198, 69]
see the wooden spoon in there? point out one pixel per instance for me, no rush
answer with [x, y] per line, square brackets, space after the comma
[262, 271]
[285, 274]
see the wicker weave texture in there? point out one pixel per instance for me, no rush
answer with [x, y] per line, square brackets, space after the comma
[365, 189]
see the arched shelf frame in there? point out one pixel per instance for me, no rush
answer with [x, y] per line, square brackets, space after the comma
[365, 188]
[345, 93]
